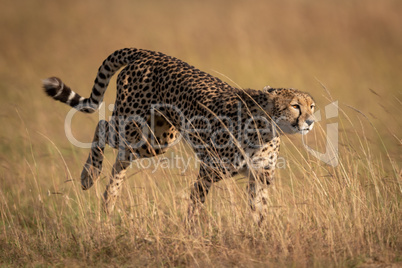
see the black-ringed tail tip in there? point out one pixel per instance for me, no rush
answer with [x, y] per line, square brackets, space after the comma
[56, 89]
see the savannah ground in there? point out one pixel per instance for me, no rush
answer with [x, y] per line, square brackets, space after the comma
[319, 215]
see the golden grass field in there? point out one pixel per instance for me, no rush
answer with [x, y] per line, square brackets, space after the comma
[319, 215]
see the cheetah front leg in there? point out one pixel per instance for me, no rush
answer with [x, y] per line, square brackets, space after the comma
[258, 193]
[113, 189]
[200, 189]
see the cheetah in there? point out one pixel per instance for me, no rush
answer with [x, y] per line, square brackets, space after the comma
[161, 99]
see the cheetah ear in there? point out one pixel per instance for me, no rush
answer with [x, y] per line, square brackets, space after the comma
[267, 89]
[272, 91]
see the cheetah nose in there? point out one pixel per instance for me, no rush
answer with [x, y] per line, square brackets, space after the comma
[309, 122]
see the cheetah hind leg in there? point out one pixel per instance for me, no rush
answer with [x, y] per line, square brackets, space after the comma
[93, 166]
[113, 189]
[161, 137]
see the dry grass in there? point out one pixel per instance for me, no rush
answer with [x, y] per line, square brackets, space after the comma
[349, 215]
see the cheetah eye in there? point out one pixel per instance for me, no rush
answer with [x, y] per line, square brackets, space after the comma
[296, 106]
[312, 106]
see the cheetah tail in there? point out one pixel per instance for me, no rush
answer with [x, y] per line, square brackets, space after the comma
[56, 89]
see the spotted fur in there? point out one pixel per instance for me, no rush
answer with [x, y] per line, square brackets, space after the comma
[161, 98]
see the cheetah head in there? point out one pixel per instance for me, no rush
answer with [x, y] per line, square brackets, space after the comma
[292, 110]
